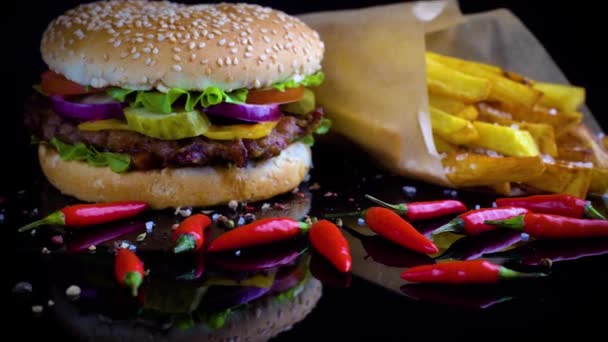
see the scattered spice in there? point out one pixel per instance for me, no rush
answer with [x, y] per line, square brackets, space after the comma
[149, 226]
[45, 250]
[22, 287]
[141, 237]
[73, 291]
[37, 309]
[174, 226]
[339, 222]
[360, 221]
[50, 303]
[265, 206]
[281, 206]
[92, 248]
[215, 217]
[225, 222]
[183, 212]
[57, 239]
[410, 191]
[249, 217]
[233, 205]
[330, 194]
[241, 221]
[314, 186]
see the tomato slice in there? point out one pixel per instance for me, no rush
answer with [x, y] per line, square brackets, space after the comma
[275, 95]
[53, 83]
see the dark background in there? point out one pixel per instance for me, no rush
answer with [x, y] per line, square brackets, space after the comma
[572, 34]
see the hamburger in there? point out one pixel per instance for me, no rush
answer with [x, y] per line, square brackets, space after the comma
[176, 105]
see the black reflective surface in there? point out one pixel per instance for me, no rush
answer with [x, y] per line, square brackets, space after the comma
[373, 302]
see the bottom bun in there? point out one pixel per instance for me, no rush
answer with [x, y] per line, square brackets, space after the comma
[174, 187]
[258, 321]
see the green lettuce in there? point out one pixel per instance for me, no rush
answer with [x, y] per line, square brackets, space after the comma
[158, 102]
[313, 80]
[117, 162]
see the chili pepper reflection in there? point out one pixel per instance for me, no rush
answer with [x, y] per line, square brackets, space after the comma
[539, 251]
[464, 298]
[387, 253]
[473, 247]
[326, 273]
[82, 240]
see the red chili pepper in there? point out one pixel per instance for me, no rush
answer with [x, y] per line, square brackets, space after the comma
[545, 226]
[129, 270]
[555, 204]
[81, 215]
[189, 235]
[260, 232]
[473, 222]
[327, 239]
[463, 272]
[393, 227]
[417, 211]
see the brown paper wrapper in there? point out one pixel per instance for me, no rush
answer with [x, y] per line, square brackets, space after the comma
[375, 90]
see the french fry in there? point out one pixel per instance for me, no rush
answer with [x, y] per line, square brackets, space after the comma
[564, 178]
[505, 140]
[469, 169]
[599, 154]
[543, 134]
[443, 146]
[451, 128]
[503, 189]
[599, 181]
[443, 80]
[565, 98]
[574, 153]
[454, 107]
[448, 60]
[503, 89]
[561, 121]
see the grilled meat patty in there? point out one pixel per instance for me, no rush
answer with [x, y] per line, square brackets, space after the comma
[150, 153]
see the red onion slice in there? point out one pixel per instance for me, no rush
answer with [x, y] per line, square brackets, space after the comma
[246, 112]
[86, 111]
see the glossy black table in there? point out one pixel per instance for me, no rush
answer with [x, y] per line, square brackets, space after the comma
[373, 304]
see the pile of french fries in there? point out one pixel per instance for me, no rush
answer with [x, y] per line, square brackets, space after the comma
[500, 130]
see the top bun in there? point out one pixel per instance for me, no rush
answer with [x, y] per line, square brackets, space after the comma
[147, 45]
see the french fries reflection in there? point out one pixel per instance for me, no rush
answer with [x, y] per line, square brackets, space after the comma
[469, 169]
[499, 129]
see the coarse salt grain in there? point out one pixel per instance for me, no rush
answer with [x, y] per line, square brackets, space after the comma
[73, 291]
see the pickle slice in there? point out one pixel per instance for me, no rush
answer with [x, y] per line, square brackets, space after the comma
[304, 106]
[172, 126]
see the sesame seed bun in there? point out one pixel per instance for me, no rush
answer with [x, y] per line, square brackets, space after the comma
[158, 45]
[187, 186]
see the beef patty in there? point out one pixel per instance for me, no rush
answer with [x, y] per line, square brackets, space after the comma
[150, 153]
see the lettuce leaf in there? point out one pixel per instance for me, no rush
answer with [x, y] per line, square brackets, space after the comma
[117, 162]
[157, 102]
[313, 80]
[324, 126]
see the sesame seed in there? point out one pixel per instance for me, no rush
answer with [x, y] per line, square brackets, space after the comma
[210, 36]
[228, 61]
[221, 42]
[176, 49]
[243, 34]
[176, 58]
[201, 45]
[268, 51]
[192, 57]
[136, 55]
[204, 61]
[266, 39]
[177, 67]
[249, 48]
[234, 50]
[155, 51]
[262, 57]
[248, 54]
[220, 61]
[257, 83]
[192, 45]
[235, 61]
[147, 50]
[133, 49]
[231, 44]
[124, 55]
[148, 60]
[117, 43]
[139, 40]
